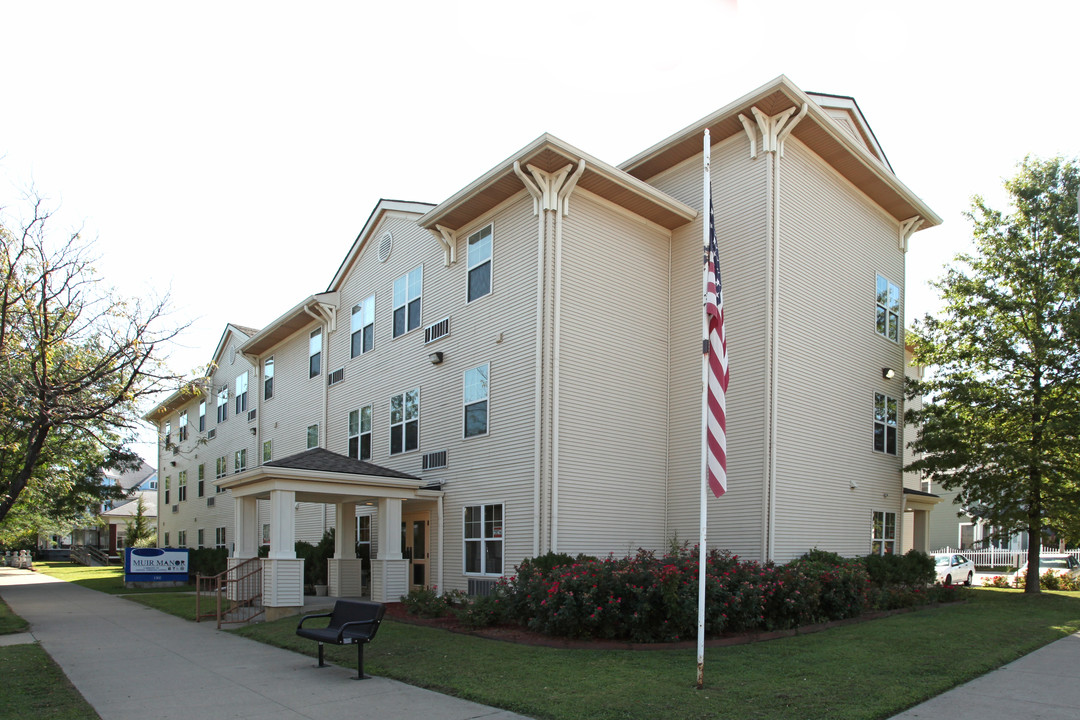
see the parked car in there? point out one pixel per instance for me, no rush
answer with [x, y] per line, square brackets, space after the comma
[1057, 564]
[953, 568]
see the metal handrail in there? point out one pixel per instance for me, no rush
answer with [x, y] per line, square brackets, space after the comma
[83, 554]
[242, 588]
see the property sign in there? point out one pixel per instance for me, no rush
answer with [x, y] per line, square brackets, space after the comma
[155, 565]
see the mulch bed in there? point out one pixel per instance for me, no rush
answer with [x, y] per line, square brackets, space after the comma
[523, 636]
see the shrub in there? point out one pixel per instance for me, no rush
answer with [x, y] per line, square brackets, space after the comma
[207, 561]
[912, 568]
[481, 611]
[426, 603]
[998, 581]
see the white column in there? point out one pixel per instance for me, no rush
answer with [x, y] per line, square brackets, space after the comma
[390, 529]
[389, 571]
[345, 532]
[282, 524]
[246, 517]
[344, 569]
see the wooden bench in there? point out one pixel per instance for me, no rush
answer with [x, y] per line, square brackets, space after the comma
[352, 621]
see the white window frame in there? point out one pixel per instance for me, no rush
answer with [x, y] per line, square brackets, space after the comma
[357, 432]
[223, 404]
[181, 538]
[241, 392]
[240, 460]
[181, 431]
[202, 480]
[202, 416]
[404, 298]
[268, 451]
[468, 401]
[887, 304]
[200, 537]
[315, 348]
[401, 425]
[268, 378]
[487, 535]
[882, 420]
[362, 327]
[475, 261]
[219, 537]
[311, 435]
[221, 469]
[181, 486]
[882, 543]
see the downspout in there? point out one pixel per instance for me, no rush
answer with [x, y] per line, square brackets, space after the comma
[539, 364]
[442, 533]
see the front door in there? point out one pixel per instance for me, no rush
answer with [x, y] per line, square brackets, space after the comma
[414, 544]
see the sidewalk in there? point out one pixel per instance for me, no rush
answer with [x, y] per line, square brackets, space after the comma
[132, 662]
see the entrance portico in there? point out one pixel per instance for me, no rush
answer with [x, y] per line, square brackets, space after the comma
[321, 476]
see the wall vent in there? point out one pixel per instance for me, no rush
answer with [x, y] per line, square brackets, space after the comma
[435, 460]
[209, 502]
[176, 508]
[386, 244]
[251, 415]
[211, 434]
[335, 377]
[436, 331]
[481, 588]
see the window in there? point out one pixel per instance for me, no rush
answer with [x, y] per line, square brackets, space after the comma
[241, 392]
[363, 530]
[166, 539]
[360, 433]
[221, 470]
[885, 412]
[363, 326]
[201, 533]
[268, 378]
[315, 353]
[888, 309]
[219, 537]
[266, 534]
[479, 264]
[223, 404]
[202, 416]
[883, 538]
[202, 480]
[268, 451]
[405, 422]
[476, 401]
[484, 539]
[183, 426]
[181, 486]
[153, 483]
[168, 482]
[407, 301]
[181, 538]
[240, 461]
[312, 436]
[168, 434]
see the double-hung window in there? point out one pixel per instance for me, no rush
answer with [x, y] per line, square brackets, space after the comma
[181, 486]
[202, 480]
[168, 434]
[268, 378]
[363, 326]
[888, 309]
[484, 539]
[312, 436]
[883, 534]
[221, 469]
[219, 537]
[202, 416]
[405, 422]
[223, 404]
[479, 264]
[476, 401]
[168, 482]
[885, 418]
[240, 461]
[183, 426]
[268, 451]
[201, 535]
[181, 538]
[360, 433]
[241, 392]
[315, 353]
[407, 291]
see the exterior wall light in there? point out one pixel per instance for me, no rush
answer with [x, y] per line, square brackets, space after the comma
[888, 373]
[435, 358]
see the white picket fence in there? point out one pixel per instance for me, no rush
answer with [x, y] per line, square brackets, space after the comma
[1005, 558]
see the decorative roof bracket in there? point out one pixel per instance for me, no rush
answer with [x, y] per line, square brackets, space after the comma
[448, 239]
[550, 191]
[907, 229]
[774, 129]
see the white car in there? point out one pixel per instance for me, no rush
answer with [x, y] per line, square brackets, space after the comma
[954, 568]
[1057, 564]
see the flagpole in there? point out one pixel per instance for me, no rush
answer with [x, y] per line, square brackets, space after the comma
[702, 477]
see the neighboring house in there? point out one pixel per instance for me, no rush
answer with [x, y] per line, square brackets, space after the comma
[140, 481]
[517, 369]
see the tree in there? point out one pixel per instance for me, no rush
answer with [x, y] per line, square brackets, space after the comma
[139, 531]
[1001, 419]
[75, 361]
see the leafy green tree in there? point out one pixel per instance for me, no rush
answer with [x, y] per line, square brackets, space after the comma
[75, 361]
[1000, 420]
[139, 531]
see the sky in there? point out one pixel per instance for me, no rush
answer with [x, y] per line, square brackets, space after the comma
[229, 153]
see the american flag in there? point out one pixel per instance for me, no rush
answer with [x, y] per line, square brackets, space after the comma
[715, 347]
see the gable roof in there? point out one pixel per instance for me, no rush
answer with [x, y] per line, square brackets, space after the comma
[818, 131]
[382, 209]
[133, 477]
[322, 460]
[551, 154]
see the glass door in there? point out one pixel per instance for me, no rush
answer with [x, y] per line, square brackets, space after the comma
[414, 543]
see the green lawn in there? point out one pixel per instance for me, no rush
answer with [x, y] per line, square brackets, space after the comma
[9, 621]
[104, 579]
[868, 670]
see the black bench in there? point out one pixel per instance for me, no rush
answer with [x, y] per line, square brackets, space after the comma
[352, 621]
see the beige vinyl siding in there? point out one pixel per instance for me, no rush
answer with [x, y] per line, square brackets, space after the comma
[741, 211]
[297, 401]
[833, 242]
[498, 329]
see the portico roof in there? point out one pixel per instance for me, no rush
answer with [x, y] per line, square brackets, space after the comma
[920, 500]
[319, 475]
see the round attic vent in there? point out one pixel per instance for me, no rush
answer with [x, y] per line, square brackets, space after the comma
[386, 242]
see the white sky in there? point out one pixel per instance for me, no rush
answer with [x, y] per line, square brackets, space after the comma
[207, 144]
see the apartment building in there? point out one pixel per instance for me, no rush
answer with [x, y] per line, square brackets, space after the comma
[517, 369]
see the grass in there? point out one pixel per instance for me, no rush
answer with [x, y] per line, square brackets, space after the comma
[822, 675]
[103, 579]
[9, 621]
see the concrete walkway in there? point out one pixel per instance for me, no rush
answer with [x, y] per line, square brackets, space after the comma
[133, 662]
